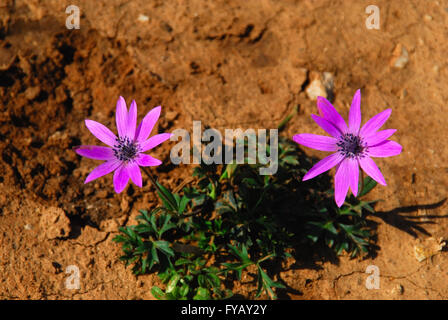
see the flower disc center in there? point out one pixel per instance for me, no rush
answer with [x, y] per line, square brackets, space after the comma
[125, 149]
[350, 145]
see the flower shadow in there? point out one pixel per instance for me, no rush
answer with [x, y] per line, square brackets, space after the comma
[412, 225]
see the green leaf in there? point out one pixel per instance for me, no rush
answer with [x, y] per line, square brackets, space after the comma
[229, 171]
[158, 293]
[172, 283]
[369, 184]
[184, 289]
[183, 204]
[164, 246]
[198, 200]
[167, 197]
[202, 294]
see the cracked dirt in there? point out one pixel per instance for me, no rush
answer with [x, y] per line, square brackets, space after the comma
[229, 64]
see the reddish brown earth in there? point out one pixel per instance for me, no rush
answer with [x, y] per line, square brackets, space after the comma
[229, 64]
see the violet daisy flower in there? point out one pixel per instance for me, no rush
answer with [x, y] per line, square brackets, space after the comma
[351, 145]
[124, 153]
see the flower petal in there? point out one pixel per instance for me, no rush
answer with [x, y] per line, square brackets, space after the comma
[379, 137]
[121, 117]
[145, 160]
[147, 124]
[388, 148]
[134, 173]
[101, 132]
[154, 141]
[121, 178]
[315, 141]
[375, 123]
[341, 182]
[103, 169]
[353, 175]
[132, 120]
[327, 126]
[369, 167]
[354, 115]
[323, 165]
[95, 152]
[330, 114]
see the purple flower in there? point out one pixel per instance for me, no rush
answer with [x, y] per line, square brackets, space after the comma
[351, 145]
[124, 153]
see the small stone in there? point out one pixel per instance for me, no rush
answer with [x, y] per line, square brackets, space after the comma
[102, 194]
[28, 227]
[328, 83]
[316, 89]
[54, 223]
[400, 57]
[403, 94]
[32, 92]
[24, 65]
[143, 18]
[398, 290]
[171, 116]
[109, 225]
[427, 17]
[59, 138]
[90, 236]
[428, 248]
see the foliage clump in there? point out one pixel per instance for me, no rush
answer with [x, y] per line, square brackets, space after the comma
[204, 237]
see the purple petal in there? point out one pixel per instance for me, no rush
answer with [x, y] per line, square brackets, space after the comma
[323, 165]
[369, 167]
[354, 115]
[132, 120]
[353, 175]
[103, 169]
[147, 124]
[121, 178]
[379, 137]
[154, 141]
[95, 152]
[101, 132]
[121, 117]
[388, 148]
[327, 126]
[315, 141]
[341, 182]
[134, 173]
[375, 123]
[330, 114]
[145, 160]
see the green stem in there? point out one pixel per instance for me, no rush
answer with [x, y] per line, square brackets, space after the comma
[154, 183]
[289, 117]
[362, 182]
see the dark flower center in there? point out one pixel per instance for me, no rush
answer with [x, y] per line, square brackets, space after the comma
[351, 146]
[125, 149]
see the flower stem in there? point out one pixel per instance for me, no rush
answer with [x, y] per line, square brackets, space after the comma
[154, 183]
[362, 182]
